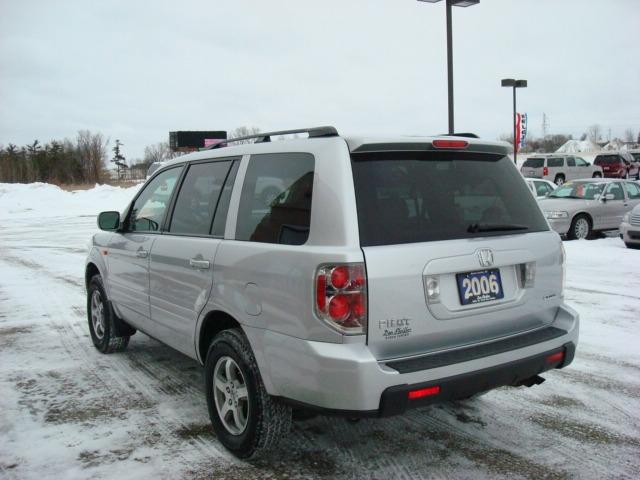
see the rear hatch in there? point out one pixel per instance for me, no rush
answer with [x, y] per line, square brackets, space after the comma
[610, 164]
[533, 167]
[449, 238]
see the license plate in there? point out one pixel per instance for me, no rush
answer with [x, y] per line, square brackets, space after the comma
[479, 287]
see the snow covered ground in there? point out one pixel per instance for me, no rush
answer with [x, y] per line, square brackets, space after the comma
[67, 411]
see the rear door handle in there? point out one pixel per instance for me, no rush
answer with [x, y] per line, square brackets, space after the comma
[203, 264]
[142, 253]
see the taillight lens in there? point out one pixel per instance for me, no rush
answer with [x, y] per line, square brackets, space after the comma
[341, 297]
[545, 171]
[450, 144]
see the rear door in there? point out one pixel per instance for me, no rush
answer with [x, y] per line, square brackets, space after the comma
[446, 237]
[615, 209]
[128, 253]
[181, 265]
[556, 170]
[633, 194]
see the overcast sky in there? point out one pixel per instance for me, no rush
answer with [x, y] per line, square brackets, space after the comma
[136, 70]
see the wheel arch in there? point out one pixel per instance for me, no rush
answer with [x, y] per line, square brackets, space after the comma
[90, 271]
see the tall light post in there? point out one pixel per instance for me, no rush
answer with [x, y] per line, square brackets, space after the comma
[510, 82]
[450, 3]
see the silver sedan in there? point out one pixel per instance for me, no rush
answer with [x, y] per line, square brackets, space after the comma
[630, 228]
[578, 208]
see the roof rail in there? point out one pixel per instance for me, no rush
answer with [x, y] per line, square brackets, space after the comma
[315, 132]
[465, 134]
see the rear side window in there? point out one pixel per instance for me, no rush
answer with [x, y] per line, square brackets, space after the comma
[616, 190]
[408, 197]
[606, 160]
[149, 208]
[198, 198]
[571, 162]
[555, 162]
[543, 188]
[534, 163]
[633, 190]
[275, 204]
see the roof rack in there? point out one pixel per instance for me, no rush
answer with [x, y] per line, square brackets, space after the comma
[465, 134]
[315, 132]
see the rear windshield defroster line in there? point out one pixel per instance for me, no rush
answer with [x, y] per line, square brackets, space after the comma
[410, 197]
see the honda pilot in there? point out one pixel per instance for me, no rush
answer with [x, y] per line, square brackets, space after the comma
[384, 274]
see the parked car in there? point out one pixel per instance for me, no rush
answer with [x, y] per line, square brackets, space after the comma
[559, 168]
[540, 188]
[579, 208]
[386, 275]
[630, 227]
[618, 165]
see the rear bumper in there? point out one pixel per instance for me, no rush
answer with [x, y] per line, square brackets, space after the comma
[346, 378]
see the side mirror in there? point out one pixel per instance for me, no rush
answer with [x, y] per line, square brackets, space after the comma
[608, 196]
[109, 221]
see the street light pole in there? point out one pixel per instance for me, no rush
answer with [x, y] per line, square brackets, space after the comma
[510, 82]
[450, 68]
[451, 3]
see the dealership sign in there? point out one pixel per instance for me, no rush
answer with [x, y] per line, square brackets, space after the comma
[521, 129]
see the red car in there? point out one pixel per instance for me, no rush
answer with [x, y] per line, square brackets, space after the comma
[618, 165]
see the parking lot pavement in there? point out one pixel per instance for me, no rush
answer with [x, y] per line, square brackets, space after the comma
[67, 411]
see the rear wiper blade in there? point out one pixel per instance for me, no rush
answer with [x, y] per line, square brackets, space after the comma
[494, 227]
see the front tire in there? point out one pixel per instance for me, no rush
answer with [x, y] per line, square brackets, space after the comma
[246, 419]
[101, 319]
[580, 228]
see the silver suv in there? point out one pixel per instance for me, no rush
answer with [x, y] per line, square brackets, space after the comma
[559, 168]
[386, 274]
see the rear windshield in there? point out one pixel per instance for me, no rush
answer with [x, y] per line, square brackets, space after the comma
[408, 197]
[534, 163]
[606, 159]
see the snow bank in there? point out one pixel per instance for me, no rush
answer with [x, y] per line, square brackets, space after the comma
[45, 200]
[578, 146]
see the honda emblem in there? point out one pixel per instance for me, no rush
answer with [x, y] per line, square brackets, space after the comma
[485, 257]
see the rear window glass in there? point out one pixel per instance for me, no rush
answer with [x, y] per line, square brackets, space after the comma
[534, 163]
[408, 197]
[275, 205]
[555, 162]
[606, 159]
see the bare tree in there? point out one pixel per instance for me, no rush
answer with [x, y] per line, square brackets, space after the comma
[158, 152]
[594, 132]
[92, 150]
[628, 135]
[243, 132]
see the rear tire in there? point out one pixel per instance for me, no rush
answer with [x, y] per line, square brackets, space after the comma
[559, 180]
[580, 228]
[246, 419]
[102, 319]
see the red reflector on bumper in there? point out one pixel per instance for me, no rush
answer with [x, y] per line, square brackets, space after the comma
[556, 357]
[424, 392]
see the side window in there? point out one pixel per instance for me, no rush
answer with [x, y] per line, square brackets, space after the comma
[198, 198]
[149, 208]
[581, 162]
[223, 204]
[571, 162]
[616, 189]
[555, 162]
[542, 188]
[275, 204]
[633, 190]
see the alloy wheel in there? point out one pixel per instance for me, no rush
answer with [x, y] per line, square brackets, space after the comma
[581, 228]
[231, 395]
[97, 315]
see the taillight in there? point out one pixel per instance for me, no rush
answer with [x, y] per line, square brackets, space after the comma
[341, 297]
[424, 392]
[545, 171]
[450, 144]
